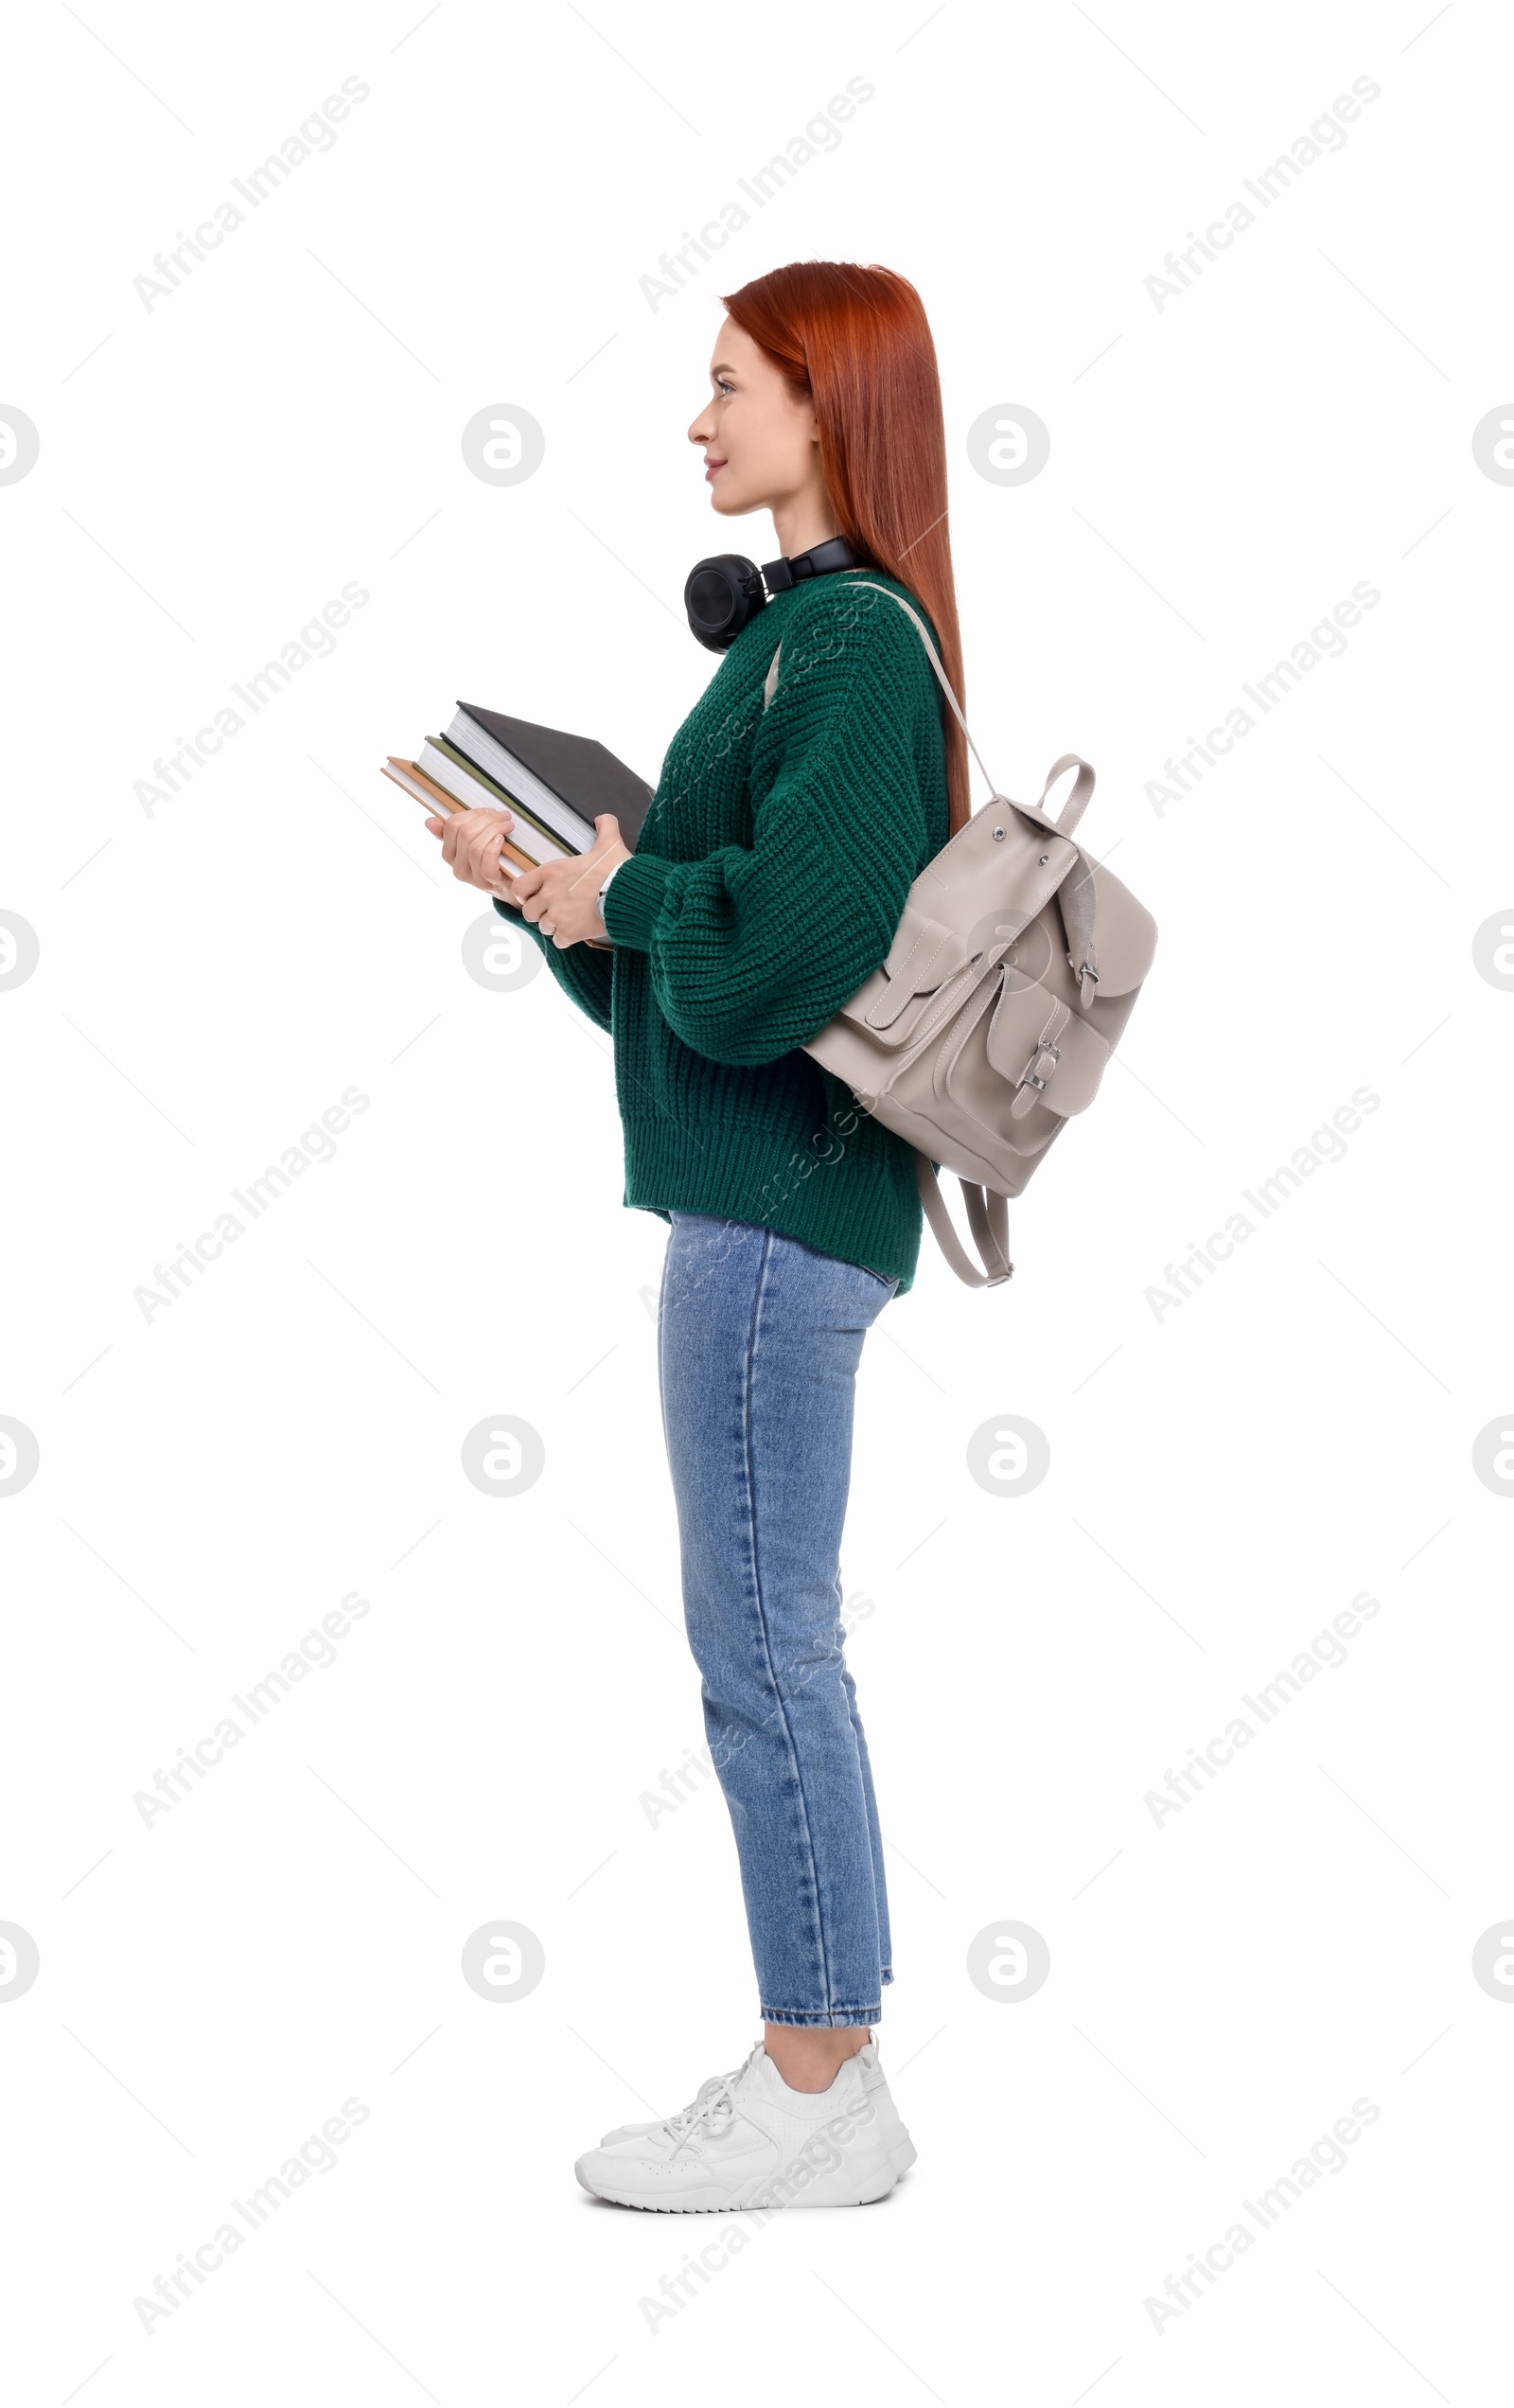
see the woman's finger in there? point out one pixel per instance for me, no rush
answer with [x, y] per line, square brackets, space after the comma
[484, 852]
[483, 849]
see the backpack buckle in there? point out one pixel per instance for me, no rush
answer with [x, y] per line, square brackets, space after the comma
[1044, 1053]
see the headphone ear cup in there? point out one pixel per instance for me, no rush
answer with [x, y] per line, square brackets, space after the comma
[720, 595]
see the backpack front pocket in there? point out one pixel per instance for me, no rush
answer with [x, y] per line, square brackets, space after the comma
[1045, 1054]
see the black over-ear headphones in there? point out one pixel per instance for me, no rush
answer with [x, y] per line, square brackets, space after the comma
[727, 591]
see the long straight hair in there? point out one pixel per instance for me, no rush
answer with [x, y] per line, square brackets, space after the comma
[855, 342]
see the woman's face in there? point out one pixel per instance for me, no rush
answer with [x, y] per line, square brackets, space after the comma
[760, 441]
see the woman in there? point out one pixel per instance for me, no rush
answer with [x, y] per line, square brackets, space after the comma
[766, 885]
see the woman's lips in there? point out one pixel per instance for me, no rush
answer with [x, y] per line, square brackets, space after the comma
[712, 468]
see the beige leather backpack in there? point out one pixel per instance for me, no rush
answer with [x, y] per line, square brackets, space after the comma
[1008, 986]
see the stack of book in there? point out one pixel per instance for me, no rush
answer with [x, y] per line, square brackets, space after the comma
[555, 784]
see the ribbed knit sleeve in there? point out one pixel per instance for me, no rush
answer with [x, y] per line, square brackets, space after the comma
[581, 972]
[752, 949]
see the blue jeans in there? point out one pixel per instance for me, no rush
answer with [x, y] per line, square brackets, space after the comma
[759, 1338]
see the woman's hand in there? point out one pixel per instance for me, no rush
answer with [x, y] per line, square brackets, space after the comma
[470, 847]
[561, 897]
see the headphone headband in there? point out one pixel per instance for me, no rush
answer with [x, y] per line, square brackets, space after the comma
[723, 593]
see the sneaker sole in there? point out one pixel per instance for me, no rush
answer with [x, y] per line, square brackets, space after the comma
[743, 2201]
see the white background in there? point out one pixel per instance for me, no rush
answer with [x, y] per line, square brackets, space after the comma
[1224, 1478]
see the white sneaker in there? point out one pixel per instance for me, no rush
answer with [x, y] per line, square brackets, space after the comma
[747, 2141]
[875, 2081]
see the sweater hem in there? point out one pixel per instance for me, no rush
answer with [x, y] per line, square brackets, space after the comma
[875, 1230]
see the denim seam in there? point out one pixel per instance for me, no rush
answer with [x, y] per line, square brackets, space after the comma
[761, 1614]
[840, 2017]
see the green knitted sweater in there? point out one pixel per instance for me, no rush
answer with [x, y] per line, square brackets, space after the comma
[766, 884]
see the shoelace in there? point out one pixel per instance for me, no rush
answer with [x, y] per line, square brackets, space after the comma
[714, 2107]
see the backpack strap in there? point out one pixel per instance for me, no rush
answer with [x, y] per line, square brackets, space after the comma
[935, 662]
[1075, 897]
[988, 1218]
[771, 681]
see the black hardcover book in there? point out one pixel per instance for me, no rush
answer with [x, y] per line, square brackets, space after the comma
[583, 774]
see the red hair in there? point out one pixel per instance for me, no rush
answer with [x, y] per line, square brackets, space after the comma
[855, 342]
